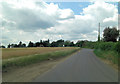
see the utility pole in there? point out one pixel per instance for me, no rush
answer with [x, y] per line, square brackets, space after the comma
[99, 33]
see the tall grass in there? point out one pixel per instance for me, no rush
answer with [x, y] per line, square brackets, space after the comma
[111, 56]
[108, 50]
[26, 60]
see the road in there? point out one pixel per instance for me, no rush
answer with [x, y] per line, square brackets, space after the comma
[84, 66]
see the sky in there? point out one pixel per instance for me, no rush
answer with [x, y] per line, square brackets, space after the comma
[38, 20]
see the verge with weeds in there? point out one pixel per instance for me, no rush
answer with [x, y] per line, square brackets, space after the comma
[26, 60]
[109, 51]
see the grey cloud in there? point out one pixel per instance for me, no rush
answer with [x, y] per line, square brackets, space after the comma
[72, 27]
[27, 19]
[31, 19]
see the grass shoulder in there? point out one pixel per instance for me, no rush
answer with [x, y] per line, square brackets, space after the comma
[108, 56]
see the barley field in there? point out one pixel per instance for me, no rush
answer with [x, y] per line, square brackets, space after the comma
[26, 56]
[18, 52]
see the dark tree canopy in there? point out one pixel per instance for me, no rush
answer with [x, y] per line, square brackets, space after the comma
[46, 43]
[31, 44]
[2, 46]
[8, 46]
[110, 34]
[20, 45]
[58, 43]
[79, 43]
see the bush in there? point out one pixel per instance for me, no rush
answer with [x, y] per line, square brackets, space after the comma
[107, 50]
[89, 45]
[105, 45]
[117, 47]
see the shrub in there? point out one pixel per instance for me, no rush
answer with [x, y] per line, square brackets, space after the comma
[105, 46]
[117, 47]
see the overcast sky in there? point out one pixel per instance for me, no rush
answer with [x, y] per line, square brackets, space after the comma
[32, 20]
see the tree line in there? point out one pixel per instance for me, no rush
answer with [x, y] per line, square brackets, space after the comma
[109, 35]
[46, 43]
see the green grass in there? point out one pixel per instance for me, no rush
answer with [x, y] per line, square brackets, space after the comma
[27, 60]
[110, 55]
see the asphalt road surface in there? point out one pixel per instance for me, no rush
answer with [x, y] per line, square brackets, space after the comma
[81, 67]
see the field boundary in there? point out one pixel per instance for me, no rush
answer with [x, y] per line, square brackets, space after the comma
[27, 60]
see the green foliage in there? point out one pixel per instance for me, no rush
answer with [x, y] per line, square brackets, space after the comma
[79, 43]
[31, 44]
[89, 45]
[86, 44]
[108, 55]
[68, 43]
[108, 50]
[58, 43]
[105, 45]
[110, 34]
[117, 47]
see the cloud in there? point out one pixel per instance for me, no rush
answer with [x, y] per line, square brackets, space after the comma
[32, 16]
[48, 21]
[84, 24]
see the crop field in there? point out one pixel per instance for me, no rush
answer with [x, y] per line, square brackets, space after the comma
[25, 56]
[18, 52]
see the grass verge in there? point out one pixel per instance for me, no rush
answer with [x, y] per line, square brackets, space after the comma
[26, 60]
[110, 56]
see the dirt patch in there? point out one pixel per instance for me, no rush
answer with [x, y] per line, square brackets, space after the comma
[28, 73]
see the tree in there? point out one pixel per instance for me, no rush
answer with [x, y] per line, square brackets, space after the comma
[15, 45]
[24, 45]
[31, 44]
[54, 44]
[110, 34]
[46, 43]
[60, 43]
[20, 44]
[71, 44]
[79, 43]
[37, 44]
[41, 42]
[67, 43]
[8, 46]
[2, 46]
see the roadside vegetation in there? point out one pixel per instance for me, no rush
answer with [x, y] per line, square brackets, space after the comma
[109, 48]
[35, 58]
[109, 51]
